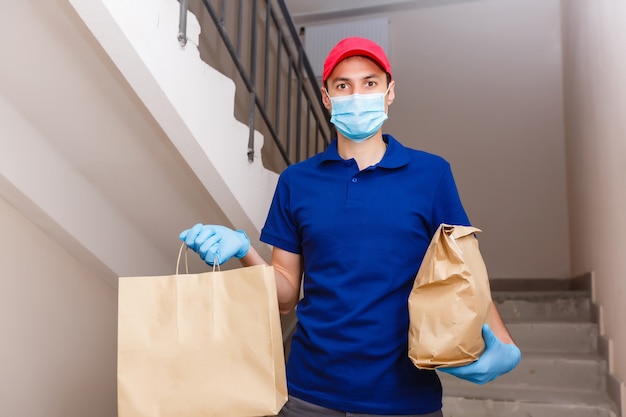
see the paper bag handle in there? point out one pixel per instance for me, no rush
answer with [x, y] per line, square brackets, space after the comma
[457, 232]
[180, 252]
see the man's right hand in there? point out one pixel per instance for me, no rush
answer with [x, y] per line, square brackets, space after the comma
[216, 244]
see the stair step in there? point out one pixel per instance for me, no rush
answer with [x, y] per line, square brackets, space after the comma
[561, 373]
[487, 401]
[536, 370]
[543, 305]
[572, 337]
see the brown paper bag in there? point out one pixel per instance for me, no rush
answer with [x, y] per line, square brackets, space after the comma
[450, 301]
[207, 344]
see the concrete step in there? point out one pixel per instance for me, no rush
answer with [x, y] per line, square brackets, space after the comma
[558, 336]
[543, 305]
[561, 373]
[536, 370]
[490, 401]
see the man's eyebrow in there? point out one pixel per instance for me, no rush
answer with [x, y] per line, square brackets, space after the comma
[345, 79]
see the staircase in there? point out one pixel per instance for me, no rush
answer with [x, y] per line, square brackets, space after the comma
[561, 373]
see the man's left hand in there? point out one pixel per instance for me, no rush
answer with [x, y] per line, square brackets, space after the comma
[497, 359]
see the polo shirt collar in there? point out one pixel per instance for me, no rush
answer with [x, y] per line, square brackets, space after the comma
[396, 155]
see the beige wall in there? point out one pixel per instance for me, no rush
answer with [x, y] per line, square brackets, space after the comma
[595, 102]
[58, 328]
[480, 83]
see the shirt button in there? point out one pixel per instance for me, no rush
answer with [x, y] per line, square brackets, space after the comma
[354, 180]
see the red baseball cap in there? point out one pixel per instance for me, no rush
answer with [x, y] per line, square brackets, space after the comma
[355, 46]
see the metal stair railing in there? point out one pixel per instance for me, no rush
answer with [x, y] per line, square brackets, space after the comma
[283, 95]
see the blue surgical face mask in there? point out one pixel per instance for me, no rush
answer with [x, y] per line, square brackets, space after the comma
[358, 116]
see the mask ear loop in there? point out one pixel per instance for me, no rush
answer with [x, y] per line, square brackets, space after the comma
[327, 93]
[386, 105]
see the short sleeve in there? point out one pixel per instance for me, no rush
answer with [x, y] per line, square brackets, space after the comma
[447, 206]
[280, 229]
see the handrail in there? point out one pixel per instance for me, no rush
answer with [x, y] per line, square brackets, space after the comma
[283, 94]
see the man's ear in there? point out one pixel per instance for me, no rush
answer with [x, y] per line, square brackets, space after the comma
[325, 99]
[391, 95]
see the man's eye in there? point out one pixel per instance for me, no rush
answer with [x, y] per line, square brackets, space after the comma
[371, 83]
[342, 86]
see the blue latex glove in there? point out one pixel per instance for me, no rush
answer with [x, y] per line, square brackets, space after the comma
[497, 359]
[216, 244]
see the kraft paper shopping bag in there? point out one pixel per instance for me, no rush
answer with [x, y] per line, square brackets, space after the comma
[206, 344]
[450, 301]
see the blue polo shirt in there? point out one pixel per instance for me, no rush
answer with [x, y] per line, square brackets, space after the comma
[362, 236]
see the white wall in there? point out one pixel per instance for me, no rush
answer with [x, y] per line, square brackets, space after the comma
[89, 176]
[58, 328]
[595, 101]
[479, 82]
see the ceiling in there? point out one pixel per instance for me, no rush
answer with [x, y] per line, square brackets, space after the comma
[306, 11]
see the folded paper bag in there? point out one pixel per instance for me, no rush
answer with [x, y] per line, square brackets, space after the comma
[450, 301]
[205, 344]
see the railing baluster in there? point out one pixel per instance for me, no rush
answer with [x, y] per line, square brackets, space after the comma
[289, 134]
[239, 27]
[182, 22]
[317, 136]
[299, 108]
[266, 59]
[252, 108]
[278, 70]
[291, 142]
[308, 127]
